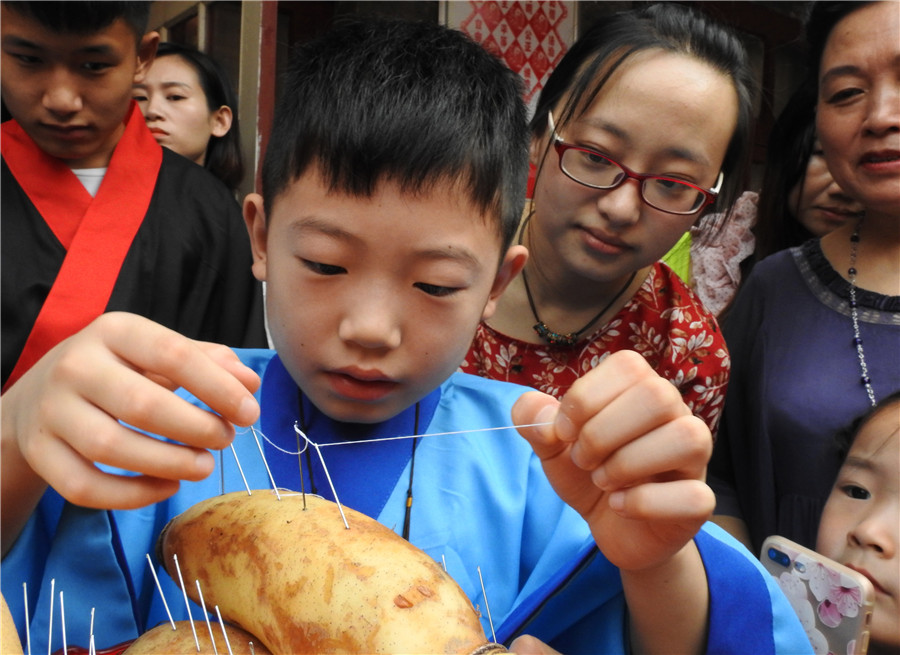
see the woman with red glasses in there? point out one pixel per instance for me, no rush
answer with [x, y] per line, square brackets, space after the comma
[639, 131]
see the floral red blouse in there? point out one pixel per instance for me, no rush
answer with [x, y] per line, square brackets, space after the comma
[664, 321]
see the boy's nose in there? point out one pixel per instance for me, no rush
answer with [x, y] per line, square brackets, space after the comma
[371, 322]
[63, 96]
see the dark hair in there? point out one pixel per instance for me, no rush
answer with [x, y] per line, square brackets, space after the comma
[76, 17]
[844, 438]
[594, 57]
[820, 21]
[415, 103]
[790, 146]
[223, 153]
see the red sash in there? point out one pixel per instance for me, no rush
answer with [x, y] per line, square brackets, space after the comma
[96, 232]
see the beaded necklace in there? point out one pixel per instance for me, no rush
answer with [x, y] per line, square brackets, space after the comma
[542, 329]
[854, 316]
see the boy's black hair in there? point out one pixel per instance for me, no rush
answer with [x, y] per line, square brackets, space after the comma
[671, 27]
[411, 102]
[844, 438]
[77, 17]
[223, 153]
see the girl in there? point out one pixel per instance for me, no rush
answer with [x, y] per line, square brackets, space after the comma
[860, 525]
[190, 108]
[640, 129]
[815, 332]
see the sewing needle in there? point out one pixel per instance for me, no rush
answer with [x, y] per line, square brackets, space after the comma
[50, 621]
[487, 606]
[62, 618]
[161, 594]
[27, 620]
[265, 463]
[224, 633]
[186, 603]
[212, 637]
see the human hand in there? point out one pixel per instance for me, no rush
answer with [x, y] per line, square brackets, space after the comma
[64, 414]
[625, 452]
[528, 645]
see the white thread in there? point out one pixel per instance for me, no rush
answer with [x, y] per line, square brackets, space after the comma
[310, 442]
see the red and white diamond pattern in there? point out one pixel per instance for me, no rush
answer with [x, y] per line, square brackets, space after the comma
[527, 35]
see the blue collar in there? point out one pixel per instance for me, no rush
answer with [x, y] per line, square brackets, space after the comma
[364, 474]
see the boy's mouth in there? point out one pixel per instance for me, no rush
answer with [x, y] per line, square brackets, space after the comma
[361, 385]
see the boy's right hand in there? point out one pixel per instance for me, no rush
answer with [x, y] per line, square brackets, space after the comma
[64, 415]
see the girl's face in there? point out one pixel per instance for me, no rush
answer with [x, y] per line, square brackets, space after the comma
[858, 115]
[860, 525]
[175, 107]
[817, 201]
[659, 113]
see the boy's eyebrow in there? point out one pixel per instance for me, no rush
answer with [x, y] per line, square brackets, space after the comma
[11, 40]
[454, 253]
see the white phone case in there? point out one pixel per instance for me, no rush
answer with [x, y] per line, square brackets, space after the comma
[834, 603]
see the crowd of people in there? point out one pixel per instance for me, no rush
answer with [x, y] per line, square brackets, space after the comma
[410, 290]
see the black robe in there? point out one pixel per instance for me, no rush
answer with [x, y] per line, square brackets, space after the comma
[188, 267]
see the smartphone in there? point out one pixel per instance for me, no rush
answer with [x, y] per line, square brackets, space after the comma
[834, 603]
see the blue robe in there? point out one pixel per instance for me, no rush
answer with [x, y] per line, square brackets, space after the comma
[481, 500]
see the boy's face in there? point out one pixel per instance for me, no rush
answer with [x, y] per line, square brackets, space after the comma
[70, 92]
[373, 302]
[860, 525]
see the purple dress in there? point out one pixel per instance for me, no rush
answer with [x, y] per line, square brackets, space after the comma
[795, 382]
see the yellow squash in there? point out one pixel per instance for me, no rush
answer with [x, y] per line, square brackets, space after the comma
[303, 583]
[9, 638]
[180, 641]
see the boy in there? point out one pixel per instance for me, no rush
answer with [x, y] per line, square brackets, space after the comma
[391, 195]
[96, 216]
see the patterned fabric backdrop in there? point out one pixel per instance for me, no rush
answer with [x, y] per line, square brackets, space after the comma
[531, 36]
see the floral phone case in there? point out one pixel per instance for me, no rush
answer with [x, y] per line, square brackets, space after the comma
[834, 603]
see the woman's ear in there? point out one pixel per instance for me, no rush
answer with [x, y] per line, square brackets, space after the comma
[220, 121]
[257, 228]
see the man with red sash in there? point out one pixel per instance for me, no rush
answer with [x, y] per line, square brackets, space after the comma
[96, 216]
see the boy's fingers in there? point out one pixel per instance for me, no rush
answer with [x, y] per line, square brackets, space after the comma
[679, 449]
[678, 502]
[81, 483]
[97, 438]
[143, 404]
[621, 371]
[211, 372]
[532, 408]
[528, 645]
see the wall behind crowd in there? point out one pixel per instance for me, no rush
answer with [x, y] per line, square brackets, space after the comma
[252, 40]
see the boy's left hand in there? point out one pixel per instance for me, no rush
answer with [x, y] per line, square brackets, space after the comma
[626, 453]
